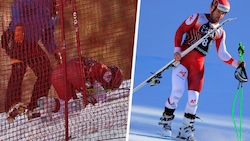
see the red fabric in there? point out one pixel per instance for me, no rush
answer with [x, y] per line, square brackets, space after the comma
[194, 63]
[78, 74]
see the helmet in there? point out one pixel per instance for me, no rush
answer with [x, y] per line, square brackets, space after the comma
[222, 5]
[117, 77]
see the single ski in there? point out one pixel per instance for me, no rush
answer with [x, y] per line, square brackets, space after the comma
[154, 79]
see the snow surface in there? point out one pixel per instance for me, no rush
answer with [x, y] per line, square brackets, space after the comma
[102, 121]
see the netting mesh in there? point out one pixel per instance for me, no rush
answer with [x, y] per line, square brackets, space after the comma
[65, 68]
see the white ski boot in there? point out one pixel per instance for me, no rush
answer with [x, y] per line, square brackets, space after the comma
[187, 129]
[166, 125]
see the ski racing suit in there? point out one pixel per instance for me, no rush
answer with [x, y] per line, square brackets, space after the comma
[191, 67]
[82, 70]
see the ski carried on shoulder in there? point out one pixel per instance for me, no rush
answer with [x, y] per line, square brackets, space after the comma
[154, 78]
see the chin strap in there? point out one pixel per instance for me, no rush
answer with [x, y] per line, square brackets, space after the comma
[241, 75]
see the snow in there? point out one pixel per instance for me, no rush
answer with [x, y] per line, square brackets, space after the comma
[210, 127]
[102, 121]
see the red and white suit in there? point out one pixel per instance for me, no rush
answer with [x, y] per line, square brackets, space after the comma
[191, 68]
[84, 71]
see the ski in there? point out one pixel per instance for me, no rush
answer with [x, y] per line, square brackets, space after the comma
[158, 136]
[171, 137]
[154, 78]
[153, 136]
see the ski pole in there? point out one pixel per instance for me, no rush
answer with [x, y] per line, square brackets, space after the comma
[239, 91]
[241, 76]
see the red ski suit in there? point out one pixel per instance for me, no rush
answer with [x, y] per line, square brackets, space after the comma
[196, 26]
[85, 71]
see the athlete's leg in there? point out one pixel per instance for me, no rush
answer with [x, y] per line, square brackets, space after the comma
[42, 69]
[195, 83]
[179, 80]
[192, 104]
[14, 89]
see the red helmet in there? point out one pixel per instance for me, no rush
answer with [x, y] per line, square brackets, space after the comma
[117, 76]
[222, 5]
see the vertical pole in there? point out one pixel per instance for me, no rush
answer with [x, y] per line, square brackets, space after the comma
[241, 53]
[241, 106]
[63, 50]
[78, 41]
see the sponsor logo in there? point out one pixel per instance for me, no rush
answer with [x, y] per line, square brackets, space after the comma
[183, 73]
[190, 19]
[193, 101]
[205, 28]
[223, 8]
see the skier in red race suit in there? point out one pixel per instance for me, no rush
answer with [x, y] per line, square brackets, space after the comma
[191, 68]
[88, 71]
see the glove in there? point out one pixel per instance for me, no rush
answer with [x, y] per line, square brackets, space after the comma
[240, 73]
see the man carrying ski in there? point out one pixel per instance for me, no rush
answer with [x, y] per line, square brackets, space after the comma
[191, 68]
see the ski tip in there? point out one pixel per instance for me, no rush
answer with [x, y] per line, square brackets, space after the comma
[232, 18]
[228, 20]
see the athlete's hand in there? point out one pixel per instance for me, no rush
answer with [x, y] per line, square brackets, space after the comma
[241, 63]
[177, 56]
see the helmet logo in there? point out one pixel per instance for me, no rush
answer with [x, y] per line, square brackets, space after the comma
[223, 8]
